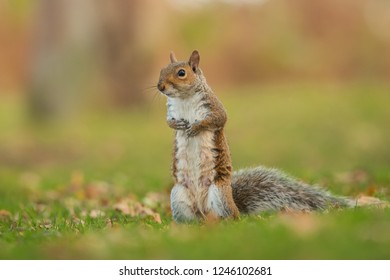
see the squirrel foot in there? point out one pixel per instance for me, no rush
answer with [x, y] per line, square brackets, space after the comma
[193, 129]
[181, 124]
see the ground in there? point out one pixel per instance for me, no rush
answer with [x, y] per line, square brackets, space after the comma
[96, 186]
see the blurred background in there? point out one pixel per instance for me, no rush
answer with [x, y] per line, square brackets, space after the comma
[85, 149]
[77, 77]
[60, 54]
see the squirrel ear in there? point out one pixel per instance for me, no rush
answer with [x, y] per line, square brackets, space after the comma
[172, 57]
[194, 60]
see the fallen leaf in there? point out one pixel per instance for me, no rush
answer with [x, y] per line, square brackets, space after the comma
[95, 213]
[5, 213]
[157, 218]
[123, 207]
[109, 223]
[364, 200]
[78, 221]
[96, 190]
[46, 225]
[135, 208]
[155, 199]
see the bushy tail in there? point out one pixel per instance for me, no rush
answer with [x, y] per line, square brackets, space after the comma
[265, 189]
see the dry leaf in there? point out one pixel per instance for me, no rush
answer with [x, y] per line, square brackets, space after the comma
[364, 200]
[123, 207]
[96, 190]
[78, 221]
[96, 213]
[155, 199]
[4, 213]
[134, 208]
[157, 218]
[109, 223]
[46, 225]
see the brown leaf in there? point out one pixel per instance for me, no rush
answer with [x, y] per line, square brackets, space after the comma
[96, 190]
[364, 200]
[157, 218]
[123, 207]
[95, 213]
[134, 208]
[155, 199]
[78, 221]
[5, 213]
[109, 223]
[46, 225]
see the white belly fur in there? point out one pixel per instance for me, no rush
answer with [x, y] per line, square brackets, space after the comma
[194, 157]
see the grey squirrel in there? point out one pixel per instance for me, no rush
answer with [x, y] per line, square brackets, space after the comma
[205, 185]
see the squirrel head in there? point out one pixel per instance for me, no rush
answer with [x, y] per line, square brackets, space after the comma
[179, 78]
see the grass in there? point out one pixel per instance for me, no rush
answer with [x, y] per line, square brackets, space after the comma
[96, 186]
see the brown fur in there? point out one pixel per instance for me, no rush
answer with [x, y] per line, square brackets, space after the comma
[215, 165]
[174, 161]
[222, 159]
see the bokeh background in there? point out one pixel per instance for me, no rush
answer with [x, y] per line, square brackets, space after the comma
[65, 54]
[306, 85]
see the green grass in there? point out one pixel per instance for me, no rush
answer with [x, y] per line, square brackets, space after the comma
[63, 184]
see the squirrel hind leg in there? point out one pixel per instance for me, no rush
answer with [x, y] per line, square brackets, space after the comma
[181, 205]
[220, 202]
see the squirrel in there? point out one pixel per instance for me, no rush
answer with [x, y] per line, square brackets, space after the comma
[205, 185]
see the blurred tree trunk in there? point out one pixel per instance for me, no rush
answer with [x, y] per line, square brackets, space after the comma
[61, 59]
[82, 44]
[123, 61]
[45, 71]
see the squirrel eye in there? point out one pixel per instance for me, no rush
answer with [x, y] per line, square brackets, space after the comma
[181, 73]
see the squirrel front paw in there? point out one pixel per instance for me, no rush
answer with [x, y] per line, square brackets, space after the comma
[193, 129]
[181, 124]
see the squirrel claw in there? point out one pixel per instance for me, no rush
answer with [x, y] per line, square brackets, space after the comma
[191, 131]
[181, 124]
[177, 124]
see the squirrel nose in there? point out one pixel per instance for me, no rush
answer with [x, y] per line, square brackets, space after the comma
[161, 86]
